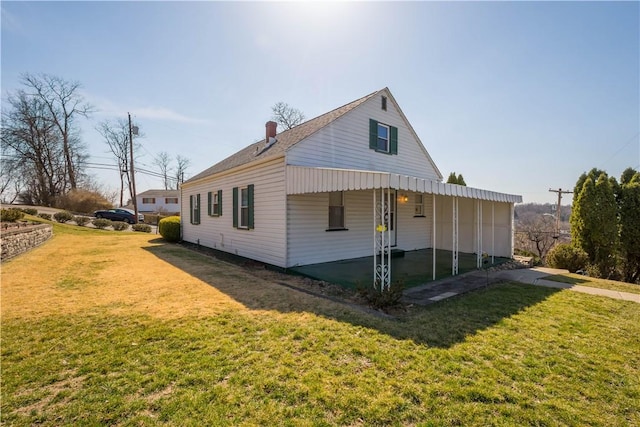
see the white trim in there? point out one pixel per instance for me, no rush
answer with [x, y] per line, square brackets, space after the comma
[233, 170]
[304, 180]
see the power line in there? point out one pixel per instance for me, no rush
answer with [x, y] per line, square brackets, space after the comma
[622, 148]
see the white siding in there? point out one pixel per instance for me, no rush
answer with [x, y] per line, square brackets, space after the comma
[503, 232]
[344, 143]
[309, 243]
[467, 226]
[267, 241]
[158, 206]
[414, 232]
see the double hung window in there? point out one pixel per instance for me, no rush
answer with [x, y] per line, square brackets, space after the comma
[336, 210]
[214, 202]
[194, 205]
[383, 138]
[243, 207]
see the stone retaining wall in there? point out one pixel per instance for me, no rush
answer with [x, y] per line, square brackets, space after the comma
[17, 241]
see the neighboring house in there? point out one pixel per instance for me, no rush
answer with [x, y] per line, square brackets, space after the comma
[159, 201]
[353, 182]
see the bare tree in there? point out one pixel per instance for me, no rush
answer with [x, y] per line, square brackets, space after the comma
[30, 140]
[536, 233]
[163, 161]
[182, 163]
[63, 103]
[11, 178]
[286, 116]
[116, 136]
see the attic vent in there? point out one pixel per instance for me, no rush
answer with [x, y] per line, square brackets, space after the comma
[384, 103]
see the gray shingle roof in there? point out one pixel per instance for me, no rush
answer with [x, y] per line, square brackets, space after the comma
[285, 140]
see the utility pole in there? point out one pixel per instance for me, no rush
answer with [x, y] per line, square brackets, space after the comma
[558, 206]
[133, 175]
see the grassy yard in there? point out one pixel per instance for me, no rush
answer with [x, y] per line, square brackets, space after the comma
[109, 328]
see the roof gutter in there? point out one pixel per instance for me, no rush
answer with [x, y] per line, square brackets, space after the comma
[233, 170]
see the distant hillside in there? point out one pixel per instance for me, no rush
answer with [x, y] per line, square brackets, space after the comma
[539, 209]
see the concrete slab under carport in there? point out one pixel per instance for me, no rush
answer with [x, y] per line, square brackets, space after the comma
[414, 268]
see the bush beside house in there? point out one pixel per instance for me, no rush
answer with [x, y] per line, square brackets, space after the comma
[169, 228]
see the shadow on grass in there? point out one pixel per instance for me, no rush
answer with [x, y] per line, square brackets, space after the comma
[567, 279]
[442, 324]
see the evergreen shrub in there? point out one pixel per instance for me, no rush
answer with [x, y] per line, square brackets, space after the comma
[11, 215]
[119, 226]
[81, 220]
[101, 223]
[63, 216]
[568, 257]
[169, 228]
[144, 228]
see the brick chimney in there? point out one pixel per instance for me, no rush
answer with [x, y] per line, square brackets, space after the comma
[271, 130]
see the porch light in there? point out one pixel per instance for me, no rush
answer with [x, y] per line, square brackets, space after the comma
[403, 198]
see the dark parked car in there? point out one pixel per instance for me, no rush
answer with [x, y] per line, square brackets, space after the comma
[119, 214]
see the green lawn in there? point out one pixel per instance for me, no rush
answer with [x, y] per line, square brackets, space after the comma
[153, 334]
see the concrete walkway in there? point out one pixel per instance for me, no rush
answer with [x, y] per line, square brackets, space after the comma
[446, 288]
[536, 276]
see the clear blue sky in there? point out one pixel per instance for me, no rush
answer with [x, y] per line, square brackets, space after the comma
[518, 97]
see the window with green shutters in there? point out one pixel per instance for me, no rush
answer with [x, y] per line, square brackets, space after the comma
[214, 203]
[383, 138]
[194, 208]
[243, 207]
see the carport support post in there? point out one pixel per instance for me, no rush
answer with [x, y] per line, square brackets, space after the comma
[381, 243]
[454, 242]
[479, 234]
[493, 233]
[433, 237]
[511, 226]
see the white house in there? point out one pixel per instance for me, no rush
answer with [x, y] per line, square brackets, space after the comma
[167, 201]
[353, 182]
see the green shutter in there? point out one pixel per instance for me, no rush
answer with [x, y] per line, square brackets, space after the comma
[373, 134]
[393, 142]
[219, 202]
[191, 209]
[209, 212]
[250, 197]
[198, 210]
[235, 207]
